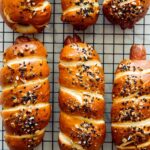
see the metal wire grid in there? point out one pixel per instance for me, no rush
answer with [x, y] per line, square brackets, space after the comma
[111, 43]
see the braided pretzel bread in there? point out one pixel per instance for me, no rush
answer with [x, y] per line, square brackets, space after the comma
[81, 97]
[80, 13]
[26, 16]
[26, 93]
[131, 102]
[125, 12]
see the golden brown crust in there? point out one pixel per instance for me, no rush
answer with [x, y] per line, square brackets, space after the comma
[131, 102]
[133, 85]
[92, 106]
[26, 120]
[90, 78]
[80, 14]
[145, 148]
[125, 13]
[93, 75]
[23, 72]
[24, 142]
[131, 110]
[26, 16]
[81, 97]
[78, 52]
[24, 47]
[87, 134]
[133, 66]
[130, 134]
[26, 93]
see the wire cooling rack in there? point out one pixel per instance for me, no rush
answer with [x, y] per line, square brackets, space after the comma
[111, 43]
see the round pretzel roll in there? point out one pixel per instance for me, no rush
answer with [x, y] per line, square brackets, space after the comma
[26, 16]
[80, 14]
[125, 13]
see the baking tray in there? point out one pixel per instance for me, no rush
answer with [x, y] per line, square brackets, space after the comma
[112, 44]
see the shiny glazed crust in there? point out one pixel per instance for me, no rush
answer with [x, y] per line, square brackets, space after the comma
[26, 16]
[26, 142]
[25, 47]
[80, 14]
[81, 98]
[26, 120]
[125, 13]
[25, 100]
[131, 102]
[19, 73]
[89, 135]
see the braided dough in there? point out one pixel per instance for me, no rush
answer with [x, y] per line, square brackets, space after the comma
[81, 97]
[131, 102]
[26, 93]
